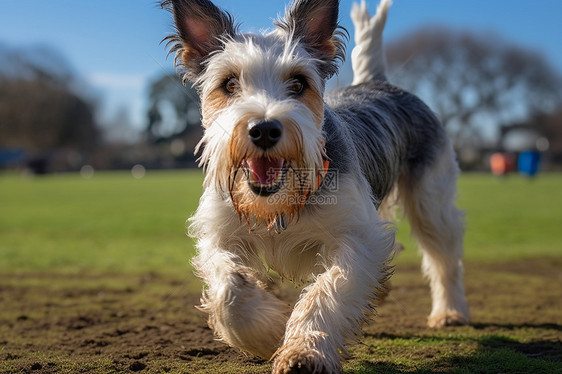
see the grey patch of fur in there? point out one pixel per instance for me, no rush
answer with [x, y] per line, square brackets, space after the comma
[383, 129]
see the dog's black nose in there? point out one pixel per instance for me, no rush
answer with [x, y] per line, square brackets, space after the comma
[265, 134]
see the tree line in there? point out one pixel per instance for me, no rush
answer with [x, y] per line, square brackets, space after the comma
[479, 85]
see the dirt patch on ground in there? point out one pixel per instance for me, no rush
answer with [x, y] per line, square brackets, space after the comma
[105, 323]
[51, 323]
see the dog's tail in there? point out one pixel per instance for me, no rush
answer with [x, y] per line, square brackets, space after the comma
[367, 58]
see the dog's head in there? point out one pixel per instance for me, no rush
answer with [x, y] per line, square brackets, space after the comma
[261, 99]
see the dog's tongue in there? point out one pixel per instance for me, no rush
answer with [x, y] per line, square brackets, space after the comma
[265, 170]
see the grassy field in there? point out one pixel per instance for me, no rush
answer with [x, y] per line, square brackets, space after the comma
[94, 277]
[111, 222]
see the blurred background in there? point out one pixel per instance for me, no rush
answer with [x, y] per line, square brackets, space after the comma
[87, 85]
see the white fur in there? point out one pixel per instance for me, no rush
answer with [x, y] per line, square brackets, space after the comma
[368, 57]
[342, 248]
[263, 60]
[339, 251]
[438, 227]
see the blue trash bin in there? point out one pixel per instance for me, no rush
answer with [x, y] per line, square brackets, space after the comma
[528, 163]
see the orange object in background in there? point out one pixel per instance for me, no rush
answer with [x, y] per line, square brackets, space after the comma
[502, 163]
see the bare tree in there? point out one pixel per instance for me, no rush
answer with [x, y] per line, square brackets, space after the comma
[39, 109]
[174, 109]
[474, 80]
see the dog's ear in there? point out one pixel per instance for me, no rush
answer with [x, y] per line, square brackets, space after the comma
[200, 27]
[315, 23]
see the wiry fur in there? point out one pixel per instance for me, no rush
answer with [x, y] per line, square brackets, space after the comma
[322, 37]
[368, 57]
[384, 146]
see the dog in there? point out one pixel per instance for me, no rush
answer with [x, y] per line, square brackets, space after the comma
[303, 183]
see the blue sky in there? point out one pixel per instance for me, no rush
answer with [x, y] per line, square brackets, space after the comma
[114, 44]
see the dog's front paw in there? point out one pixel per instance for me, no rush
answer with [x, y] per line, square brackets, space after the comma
[303, 360]
[447, 319]
[298, 362]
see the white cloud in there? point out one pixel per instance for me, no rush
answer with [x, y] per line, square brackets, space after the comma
[117, 81]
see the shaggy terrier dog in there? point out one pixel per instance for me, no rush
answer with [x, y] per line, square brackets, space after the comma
[301, 183]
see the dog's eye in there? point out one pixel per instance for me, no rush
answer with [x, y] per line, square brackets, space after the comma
[231, 85]
[297, 85]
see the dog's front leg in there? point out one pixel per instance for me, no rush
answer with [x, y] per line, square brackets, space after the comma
[241, 312]
[330, 311]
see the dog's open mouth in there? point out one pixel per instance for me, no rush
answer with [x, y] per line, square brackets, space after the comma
[265, 175]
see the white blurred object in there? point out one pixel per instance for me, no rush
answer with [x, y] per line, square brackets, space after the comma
[177, 147]
[87, 171]
[138, 171]
[542, 144]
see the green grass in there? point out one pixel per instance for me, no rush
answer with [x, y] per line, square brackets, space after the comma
[114, 222]
[507, 219]
[484, 354]
[111, 222]
[115, 249]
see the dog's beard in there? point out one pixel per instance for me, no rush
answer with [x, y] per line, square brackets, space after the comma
[264, 185]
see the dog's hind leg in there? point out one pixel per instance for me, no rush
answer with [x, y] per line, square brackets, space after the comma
[438, 226]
